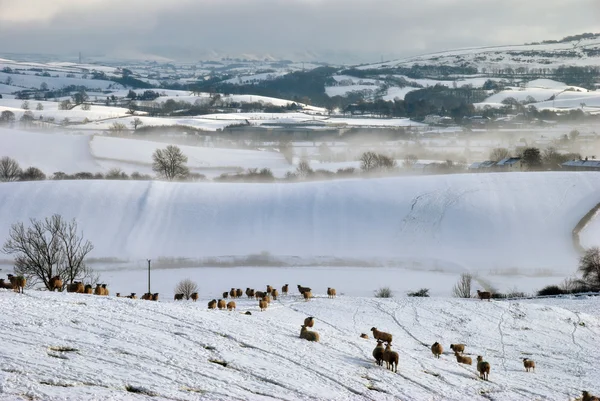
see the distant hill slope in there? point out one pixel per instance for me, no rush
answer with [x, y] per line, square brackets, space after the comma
[453, 222]
[576, 51]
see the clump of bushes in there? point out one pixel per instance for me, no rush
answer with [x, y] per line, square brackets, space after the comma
[423, 292]
[384, 292]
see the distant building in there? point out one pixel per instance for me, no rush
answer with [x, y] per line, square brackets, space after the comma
[510, 164]
[582, 165]
[482, 167]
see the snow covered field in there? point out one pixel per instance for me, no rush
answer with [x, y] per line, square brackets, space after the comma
[489, 223]
[64, 346]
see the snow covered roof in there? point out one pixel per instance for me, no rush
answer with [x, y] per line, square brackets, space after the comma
[509, 161]
[583, 163]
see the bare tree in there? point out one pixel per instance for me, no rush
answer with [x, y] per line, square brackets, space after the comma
[25, 105]
[32, 174]
[39, 107]
[410, 161]
[7, 116]
[9, 170]
[368, 161]
[48, 248]
[170, 163]
[462, 289]
[498, 154]
[136, 122]
[117, 127]
[186, 287]
[303, 169]
[589, 266]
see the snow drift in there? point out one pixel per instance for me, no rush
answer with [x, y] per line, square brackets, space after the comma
[519, 221]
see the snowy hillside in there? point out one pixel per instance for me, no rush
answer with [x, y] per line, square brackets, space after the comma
[72, 346]
[449, 222]
[546, 55]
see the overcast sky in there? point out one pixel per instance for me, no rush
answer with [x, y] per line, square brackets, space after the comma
[330, 30]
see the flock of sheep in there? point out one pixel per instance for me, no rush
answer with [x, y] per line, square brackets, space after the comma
[380, 353]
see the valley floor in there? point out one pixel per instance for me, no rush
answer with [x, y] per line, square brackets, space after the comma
[64, 346]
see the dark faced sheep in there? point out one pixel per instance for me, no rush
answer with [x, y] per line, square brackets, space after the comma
[483, 368]
[484, 295]
[212, 304]
[104, 290]
[457, 348]
[194, 296]
[55, 283]
[363, 335]
[231, 305]
[5, 285]
[249, 293]
[463, 359]
[263, 305]
[307, 295]
[267, 298]
[147, 296]
[331, 293]
[232, 293]
[309, 321]
[381, 335]
[259, 294]
[269, 289]
[155, 296]
[528, 364]
[308, 335]
[274, 294]
[225, 294]
[118, 295]
[437, 349]
[98, 289]
[378, 353]
[586, 396]
[20, 283]
[239, 293]
[221, 304]
[132, 296]
[87, 289]
[391, 358]
[302, 290]
[76, 286]
[284, 289]
[178, 297]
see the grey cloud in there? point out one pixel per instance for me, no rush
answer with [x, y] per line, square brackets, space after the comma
[338, 30]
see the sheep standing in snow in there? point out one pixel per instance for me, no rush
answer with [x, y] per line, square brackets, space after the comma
[147, 296]
[231, 305]
[259, 294]
[88, 289]
[528, 364]
[309, 321]
[18, 283]
[225, 294]
[212, 304]
[457, 348]
[132, 296]
[269, 289]
[437, 349]
[331, 293]
[155, 296]
[381, 335]
[221, 304]
[307, 295]
[586, 396]
[263, 305]
[378, 353]
[484, 295]
[308, 335]
[249, 292]
[284, 289]
[483, 368]
[5, 285]
[98, 289]
[267, 298]
[391, 358]
[194, 296]
[463, 359]
[302, 290]
[178, 297]
[55, 283]
[274, 294]
[239, 293]
[105, 291]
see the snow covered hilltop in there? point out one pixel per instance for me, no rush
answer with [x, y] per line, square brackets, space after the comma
[453, 222]
[58, 346]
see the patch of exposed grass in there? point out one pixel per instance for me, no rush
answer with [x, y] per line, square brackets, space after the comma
[218, 362]
[63, 349]
[140, 390]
